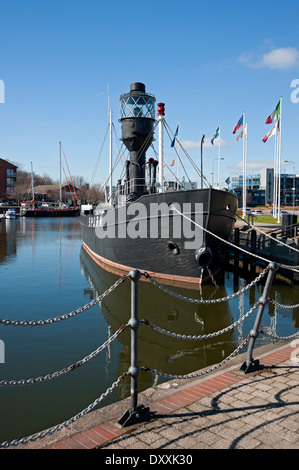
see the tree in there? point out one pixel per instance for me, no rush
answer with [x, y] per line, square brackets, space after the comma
[96, 194]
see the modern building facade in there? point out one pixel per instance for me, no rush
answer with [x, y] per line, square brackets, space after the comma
[8, 178]
[260, 188]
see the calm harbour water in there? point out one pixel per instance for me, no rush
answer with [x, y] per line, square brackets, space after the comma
[45, 273]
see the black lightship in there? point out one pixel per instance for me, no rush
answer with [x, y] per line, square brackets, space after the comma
[173, 233]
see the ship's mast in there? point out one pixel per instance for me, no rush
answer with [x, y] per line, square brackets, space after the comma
[110, 150]
[60, 195]
[161, 114]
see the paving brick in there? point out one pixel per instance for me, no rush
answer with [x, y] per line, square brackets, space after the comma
[219, 383]
[97, 438]
[181, 399]
[84, 440]
[228, 411]
[70, 443]
[168, 403]
[116, 430]
[195, 392]
[105, 433]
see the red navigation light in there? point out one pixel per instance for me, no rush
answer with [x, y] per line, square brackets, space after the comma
[161, 109]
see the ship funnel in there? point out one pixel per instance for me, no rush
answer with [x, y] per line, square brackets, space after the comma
[137, 119]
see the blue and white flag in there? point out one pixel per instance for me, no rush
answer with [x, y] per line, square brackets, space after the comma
[175, 135]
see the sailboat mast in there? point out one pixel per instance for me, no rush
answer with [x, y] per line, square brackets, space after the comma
[60, 198]
[110, 148]
[32, 187]
[110, 158]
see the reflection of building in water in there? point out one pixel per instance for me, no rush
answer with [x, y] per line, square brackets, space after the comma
[8, 239]
[156, 350]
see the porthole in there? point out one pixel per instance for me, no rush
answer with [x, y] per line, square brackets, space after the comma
[173, 247]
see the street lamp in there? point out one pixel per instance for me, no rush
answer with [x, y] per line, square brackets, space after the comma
[294, 182]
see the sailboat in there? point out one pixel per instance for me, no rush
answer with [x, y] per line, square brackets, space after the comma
[33, 209]
[172, 233]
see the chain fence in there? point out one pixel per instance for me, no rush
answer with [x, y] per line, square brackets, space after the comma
[66, 369]
[134, 327]
[207, 336]
[156, 372]
[98, 300]
[65, 424]
[210, 301]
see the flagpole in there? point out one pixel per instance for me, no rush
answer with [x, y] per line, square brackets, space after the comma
[178, 160]
[161, 152]
[244, 172]
[275, 179]
[245, 160]
[279, 163]
[218, 183]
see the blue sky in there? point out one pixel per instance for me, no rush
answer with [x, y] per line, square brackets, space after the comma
[207, 61]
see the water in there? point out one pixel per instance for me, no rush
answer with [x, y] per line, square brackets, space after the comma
[45, 273]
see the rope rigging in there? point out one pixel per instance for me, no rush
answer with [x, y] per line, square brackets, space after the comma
[141, 150]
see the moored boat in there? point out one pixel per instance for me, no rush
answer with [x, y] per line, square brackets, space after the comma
[49, 211]
[173, 233]
[11, 214]
[34, 208]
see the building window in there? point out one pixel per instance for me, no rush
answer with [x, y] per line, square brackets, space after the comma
[10, 182]
[10, 172]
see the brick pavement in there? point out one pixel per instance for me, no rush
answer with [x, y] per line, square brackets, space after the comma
[225, 410]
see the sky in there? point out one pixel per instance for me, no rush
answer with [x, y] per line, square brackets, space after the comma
[207, 61]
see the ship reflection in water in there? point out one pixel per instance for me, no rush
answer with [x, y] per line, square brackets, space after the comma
[44, 272]
[156, 350]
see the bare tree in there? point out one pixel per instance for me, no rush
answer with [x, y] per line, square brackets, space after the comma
[96, 194]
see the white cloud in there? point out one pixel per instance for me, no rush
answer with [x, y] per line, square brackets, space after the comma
[254, 165]
[283, 58]
[280, 59]
[193, 144]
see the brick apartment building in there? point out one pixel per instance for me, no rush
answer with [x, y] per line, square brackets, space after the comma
[8, 178]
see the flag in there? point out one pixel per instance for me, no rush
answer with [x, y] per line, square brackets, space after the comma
[215, 136]
[227, 180]
[175, 135]
[273, 131]
[275, 113]
[172, 163]
[243, 132]
[238, 125]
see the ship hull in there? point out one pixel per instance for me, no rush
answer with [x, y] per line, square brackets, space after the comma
[50, 212]
[168, 258]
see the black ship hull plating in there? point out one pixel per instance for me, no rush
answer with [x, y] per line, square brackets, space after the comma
[50, 213]
[167, 258]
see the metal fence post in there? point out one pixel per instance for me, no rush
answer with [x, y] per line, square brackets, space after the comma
[136, 412]
[251, 365]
